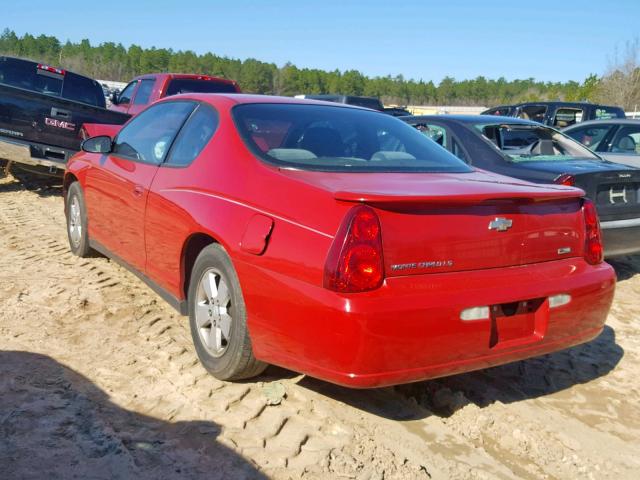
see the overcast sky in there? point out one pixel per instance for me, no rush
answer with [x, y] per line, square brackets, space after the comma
[549, 40]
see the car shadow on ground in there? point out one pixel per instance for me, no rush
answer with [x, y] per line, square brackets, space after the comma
[514, 382]
[55, 423]
[42, 185]
[625, 267]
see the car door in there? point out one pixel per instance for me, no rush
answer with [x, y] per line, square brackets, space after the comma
[124, 98]
[120, 185]
[142, 95]
[182, 167]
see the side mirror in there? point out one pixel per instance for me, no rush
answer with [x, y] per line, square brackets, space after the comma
[114, 98]
[100, 144]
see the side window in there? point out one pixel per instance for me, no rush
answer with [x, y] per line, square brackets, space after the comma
[627, 140]
[457, 150]
[533, 112]
[144, 92]
[567, 116]
[81, 89]
[590, 136]
[606, 113]
[435, 132]
[148, 136]
[127, 93]
[194, 136]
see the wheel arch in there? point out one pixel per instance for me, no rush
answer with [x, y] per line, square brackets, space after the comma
[69, 178]
[192, 247]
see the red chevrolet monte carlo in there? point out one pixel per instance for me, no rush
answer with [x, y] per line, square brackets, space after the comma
[336, 241]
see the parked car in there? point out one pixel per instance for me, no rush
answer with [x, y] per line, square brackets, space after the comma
[557, 114]
[336, 241]
[529, 151]
[396, 111]
[146, 89]
[41, 111]
[617, 140]
[368, 102]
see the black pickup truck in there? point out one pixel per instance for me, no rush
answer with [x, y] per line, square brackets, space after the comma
[42, 109]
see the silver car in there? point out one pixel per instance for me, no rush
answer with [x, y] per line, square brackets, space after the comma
[616, 139]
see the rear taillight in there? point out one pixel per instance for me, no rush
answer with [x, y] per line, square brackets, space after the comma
[593, 251]
[565, 179]
[355, 262]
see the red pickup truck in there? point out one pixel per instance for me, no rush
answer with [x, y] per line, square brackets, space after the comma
[146, 89]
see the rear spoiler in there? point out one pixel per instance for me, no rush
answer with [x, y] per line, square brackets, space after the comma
[545, 195]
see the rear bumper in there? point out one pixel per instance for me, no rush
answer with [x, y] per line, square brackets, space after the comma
[410, 329]
[621, 237]
[49, 159]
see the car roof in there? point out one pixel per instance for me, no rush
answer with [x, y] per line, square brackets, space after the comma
[451, 118]
[610, 121]
[184, 75]
[246, 98]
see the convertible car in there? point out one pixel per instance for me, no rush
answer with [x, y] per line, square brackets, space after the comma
[530, 151]
[336, 241]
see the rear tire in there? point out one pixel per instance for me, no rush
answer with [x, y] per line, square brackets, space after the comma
[77, 223]
[218, 318]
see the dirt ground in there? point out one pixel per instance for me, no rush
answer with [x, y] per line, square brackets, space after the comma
[99, 379]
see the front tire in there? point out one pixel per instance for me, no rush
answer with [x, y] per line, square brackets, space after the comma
[76, 212]
[218, 318]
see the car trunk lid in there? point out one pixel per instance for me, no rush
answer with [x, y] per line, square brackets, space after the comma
[455, 222]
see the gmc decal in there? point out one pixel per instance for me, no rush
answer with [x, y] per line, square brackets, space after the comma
[52, 122]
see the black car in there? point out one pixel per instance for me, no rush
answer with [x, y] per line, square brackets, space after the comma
[537, 153]
[557, 114]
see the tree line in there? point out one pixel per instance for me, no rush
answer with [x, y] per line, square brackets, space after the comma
[113, 61]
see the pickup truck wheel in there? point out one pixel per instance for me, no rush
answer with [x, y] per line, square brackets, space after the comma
[4, 168]
[218, 318]
[76, 213]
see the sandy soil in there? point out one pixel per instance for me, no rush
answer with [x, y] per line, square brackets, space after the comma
[98, 379]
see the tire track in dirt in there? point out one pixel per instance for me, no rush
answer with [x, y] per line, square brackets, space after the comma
[517, 421]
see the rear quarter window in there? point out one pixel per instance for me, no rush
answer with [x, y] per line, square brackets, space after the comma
[82, 89]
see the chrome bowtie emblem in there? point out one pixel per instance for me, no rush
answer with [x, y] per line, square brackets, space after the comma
[613, 194]
[500, 224]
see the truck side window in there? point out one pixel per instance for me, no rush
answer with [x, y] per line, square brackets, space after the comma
[567, 116]
[194, 136]
[144, 92]
[127, 93]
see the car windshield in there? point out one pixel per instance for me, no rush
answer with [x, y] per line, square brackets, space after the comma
[533, 143]
[327, 138]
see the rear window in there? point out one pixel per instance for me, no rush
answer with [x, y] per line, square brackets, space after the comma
[25, 74]
[319, 137]
[192, 85]
[533, 143]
